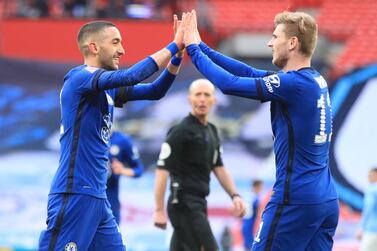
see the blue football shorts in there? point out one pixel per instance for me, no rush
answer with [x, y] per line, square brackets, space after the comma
[297, 227]
[80, 222]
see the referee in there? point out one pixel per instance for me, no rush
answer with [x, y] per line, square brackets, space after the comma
[189, 154]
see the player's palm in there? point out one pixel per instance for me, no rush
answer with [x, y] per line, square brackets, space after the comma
[190, 30]
[178, 31]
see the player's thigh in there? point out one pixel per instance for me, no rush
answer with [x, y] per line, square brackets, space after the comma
[183, 237]
[286, 227]
[108, 236]
[323, 238]
[72, 222]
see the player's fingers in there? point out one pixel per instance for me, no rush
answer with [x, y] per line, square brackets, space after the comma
[175, 23]
[160, 225]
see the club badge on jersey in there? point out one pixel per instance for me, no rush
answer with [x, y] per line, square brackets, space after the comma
[106, 129]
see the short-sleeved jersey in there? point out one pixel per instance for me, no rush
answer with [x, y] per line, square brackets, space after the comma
[302, 126]
[190, 153]
[86, 120]
[122, 149]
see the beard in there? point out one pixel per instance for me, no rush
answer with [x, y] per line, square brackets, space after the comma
[107, 63]
[280, 60]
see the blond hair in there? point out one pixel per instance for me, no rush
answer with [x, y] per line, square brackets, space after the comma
[300, 25]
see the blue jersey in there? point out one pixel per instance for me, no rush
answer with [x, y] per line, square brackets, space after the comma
[87, 101]
[86, 120]
[301, 121]
[124, 151]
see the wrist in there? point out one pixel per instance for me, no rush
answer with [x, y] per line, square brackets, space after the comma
[176, 61]
[173, 48]
[234, 195]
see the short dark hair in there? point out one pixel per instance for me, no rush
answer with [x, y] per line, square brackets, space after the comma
[256, 183]
[90, 29]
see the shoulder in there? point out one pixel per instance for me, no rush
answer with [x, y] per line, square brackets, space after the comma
[81, 73]
[181, 129]
[121, 138]
[213, 127]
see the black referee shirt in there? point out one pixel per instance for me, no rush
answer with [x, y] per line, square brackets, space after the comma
[189, 153]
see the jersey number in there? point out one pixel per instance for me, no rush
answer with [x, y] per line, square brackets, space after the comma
[322, 137]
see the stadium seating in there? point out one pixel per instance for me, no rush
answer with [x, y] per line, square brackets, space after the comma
[352, 22]
[229, 17]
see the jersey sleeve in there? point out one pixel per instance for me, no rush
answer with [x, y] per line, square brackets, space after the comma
[83, 80]
[232, 65]
[276, 87]
[172, 149]
[281, 87]
[152, 91]
[125, 77]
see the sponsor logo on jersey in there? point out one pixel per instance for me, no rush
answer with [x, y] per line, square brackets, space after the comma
[272, 81]
[70, 246]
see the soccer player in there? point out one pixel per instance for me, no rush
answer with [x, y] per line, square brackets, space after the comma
[189, 155]
[303, 211]
[123, 160]
[79, 215]
[251, 214]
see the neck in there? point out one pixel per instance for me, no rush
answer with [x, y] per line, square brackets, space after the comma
[203, 119]
[90, 61]
[297, 62]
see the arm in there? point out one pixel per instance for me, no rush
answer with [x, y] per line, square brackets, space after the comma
[142, 70]
[159, 215]
[154, 91]
[232, 65]
[227, 183]
[129, 154]
[280, 87]
[167, 162]
[225, 81]
[127, 77]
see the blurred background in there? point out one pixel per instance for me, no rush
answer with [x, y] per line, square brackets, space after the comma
[38, 46]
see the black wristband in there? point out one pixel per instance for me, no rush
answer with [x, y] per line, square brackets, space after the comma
[235, 195]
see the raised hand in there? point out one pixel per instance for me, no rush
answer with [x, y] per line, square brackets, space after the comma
[195, 21]
[178, 31]
[189, 30]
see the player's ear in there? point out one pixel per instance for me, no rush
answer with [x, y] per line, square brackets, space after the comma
[293, 43]
[93, 48]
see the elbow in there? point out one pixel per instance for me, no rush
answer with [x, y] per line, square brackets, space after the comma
[225, 89]
[158, 96]
[138, 172]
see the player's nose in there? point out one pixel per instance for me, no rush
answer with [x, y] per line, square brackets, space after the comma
[121, 50]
